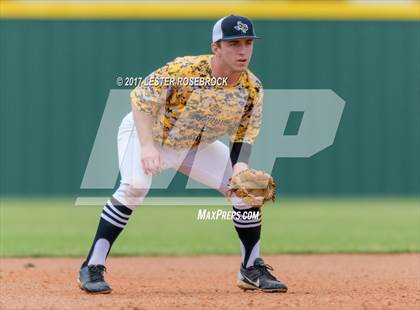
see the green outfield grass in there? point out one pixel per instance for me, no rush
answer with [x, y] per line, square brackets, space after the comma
[48, 227]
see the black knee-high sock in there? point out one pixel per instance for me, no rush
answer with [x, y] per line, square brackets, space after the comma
[248, 227]
[114, 217]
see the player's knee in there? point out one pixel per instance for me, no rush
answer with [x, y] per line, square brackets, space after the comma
[129, 195]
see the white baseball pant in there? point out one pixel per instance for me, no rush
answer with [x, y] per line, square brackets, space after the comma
[208, 164]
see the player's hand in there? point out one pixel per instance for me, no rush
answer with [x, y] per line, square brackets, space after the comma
[150, 159]
[239, 167]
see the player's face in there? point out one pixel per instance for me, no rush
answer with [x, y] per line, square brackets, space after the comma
[236, 54]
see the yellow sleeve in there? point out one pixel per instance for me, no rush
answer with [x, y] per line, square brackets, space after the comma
[250, 124]
[150, 96]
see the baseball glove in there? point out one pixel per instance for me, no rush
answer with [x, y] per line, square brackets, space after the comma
[253, 187]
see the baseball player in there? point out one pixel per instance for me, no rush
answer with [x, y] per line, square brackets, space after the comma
[178, 113]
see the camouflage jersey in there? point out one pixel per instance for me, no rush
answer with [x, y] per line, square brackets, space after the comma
[188, 112]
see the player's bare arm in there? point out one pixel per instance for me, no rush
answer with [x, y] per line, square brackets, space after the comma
[238, 167]
[150, 156]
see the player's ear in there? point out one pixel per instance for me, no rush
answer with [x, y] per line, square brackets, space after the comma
[215, 47]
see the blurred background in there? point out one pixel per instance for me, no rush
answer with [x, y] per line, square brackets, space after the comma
[59, 60]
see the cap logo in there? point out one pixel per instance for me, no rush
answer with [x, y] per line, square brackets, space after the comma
[240, 26]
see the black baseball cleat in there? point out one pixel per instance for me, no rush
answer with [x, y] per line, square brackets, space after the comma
[91, 279]
[258, 277]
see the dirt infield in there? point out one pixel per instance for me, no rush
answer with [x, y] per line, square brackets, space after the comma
[208, 282]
